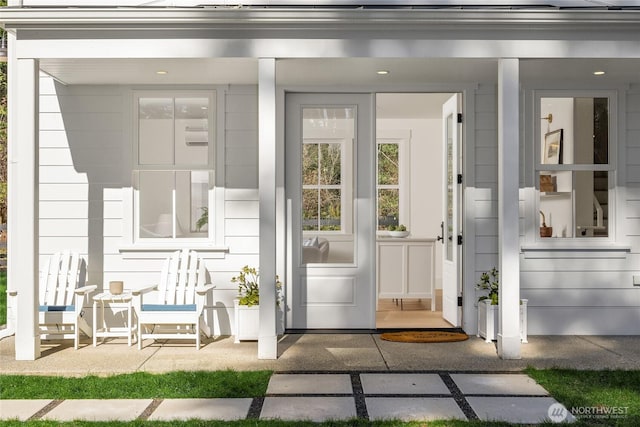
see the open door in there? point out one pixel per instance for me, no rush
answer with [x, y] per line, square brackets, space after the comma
[451, 236]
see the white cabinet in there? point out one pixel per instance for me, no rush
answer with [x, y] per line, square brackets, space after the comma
[406, 268]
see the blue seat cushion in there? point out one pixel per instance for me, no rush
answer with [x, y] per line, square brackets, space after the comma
[168, 307]
[49, 308]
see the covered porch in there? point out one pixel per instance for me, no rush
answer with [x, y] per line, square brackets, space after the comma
[424, 51]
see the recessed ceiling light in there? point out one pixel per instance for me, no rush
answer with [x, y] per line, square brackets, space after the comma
[162, 72]
[599, 73]
[382, 72]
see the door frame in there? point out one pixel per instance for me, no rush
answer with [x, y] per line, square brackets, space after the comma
[472, 94]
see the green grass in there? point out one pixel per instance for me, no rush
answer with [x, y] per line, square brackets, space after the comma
[592, 389]
[573, 388]
[139, 385]
[3, 297]
[261, 423]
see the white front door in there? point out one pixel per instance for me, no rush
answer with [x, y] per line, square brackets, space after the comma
[330, 160]
[451, 230]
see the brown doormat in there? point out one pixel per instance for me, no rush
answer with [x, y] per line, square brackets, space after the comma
[424, 336]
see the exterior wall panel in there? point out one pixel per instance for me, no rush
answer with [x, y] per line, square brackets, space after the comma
[84, 144]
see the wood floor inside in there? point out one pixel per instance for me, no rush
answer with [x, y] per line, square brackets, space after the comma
[410, 313]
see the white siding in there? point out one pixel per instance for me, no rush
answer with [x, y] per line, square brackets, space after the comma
[592, 292]
[85, 154]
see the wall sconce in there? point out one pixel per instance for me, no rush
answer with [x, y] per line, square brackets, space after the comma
[548, 118]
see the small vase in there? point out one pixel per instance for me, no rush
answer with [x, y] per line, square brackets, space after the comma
[546, 231]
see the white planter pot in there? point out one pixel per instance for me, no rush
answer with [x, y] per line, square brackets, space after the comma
[247, 322]
[488, 320]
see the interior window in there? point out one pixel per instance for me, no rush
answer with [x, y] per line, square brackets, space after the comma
[388, 185]
[174, 168]
[574, 172]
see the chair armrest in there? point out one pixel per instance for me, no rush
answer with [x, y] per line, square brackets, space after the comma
[201, 290]
[85, 289]
[140, 291]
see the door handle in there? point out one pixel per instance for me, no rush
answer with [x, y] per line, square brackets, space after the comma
[441, 236]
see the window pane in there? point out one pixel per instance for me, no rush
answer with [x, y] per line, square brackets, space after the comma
[192, 131]
[592, 204]
[388, 208]
[574, 204]
[574, 130]
[448, 238]
[310, 210]
[330, 206]
[155, 199]
[388, 164]
[309, 164]
[192, 203]
[330, 161]
[155, 131]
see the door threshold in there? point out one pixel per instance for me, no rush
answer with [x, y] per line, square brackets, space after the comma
[367, 331]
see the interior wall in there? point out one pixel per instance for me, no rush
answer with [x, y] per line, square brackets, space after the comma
[425, 178]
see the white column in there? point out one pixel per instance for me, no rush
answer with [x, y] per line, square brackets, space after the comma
[508, 212]
[267, 337]
[23, 203]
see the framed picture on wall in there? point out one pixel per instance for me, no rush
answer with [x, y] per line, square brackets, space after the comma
[553, 148]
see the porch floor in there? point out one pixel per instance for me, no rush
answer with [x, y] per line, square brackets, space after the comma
[323, 353]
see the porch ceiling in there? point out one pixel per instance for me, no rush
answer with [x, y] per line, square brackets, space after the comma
[338, 72]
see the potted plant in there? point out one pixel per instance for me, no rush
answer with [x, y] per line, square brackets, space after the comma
[398, 231]
[489, 305]
[247, 305]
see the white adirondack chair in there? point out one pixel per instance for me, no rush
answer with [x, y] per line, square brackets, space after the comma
[178, 310]
[62, 298]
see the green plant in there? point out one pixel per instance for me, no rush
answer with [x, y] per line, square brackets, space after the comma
[204, 218]
[401, 227]
[249, 286]
[489, 281]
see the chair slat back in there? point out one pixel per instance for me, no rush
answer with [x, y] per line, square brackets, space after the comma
[62, 273]
[182, 272]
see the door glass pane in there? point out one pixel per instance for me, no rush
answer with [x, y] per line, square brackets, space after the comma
[327, 185]
[449, 238]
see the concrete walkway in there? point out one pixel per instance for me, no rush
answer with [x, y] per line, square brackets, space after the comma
[328, 376]
[322, 397]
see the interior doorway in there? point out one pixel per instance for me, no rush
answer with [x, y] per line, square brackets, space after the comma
[413, 161]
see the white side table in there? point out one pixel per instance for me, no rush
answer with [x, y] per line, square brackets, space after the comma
[113, 301]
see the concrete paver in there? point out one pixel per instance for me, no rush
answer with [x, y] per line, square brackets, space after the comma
[309, 384]
[317, 409]
[507, 384]
[518, 409]
[391, 383]
[203, 409]
[413, 408]
[98, 410]
[21, 409]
